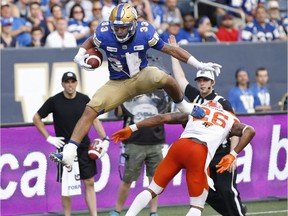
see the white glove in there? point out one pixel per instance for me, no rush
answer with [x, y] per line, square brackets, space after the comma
[104, 145]
[69, 154]
[210, 67]
[56, 141]
[80, 59]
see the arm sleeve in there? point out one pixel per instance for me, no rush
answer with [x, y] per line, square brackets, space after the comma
[226, 105]
[153, 38]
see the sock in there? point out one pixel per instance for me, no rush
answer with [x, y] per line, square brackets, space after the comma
[185, 107]
[194, 212]
[140, 202]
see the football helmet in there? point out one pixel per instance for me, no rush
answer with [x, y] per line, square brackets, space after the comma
[214, 104]
[123, 22]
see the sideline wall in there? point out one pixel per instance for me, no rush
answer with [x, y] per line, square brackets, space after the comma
[28, 177]
[30, 75]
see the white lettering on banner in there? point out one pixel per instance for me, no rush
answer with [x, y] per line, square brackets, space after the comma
[104, 175]
[276, 145]
[32, 86]
[246, 161]
[39, 173]
[11, 160]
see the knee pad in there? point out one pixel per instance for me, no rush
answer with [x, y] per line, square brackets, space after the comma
[200, 200]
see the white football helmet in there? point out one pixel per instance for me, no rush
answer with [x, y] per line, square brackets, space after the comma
[123, 22]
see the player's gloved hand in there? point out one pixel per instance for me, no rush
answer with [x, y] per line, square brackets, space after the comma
[122, 134]
[210, 67]
[198, 112]
[69, 153]
[56, 141]
[225, 163]
[80, 59]
[104, 145]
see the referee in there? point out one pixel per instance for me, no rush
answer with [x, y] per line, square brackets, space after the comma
[226, 199]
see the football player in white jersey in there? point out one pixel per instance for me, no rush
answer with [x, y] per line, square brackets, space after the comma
[193, 152]
[125, 42]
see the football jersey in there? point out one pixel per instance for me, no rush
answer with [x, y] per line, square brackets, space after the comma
[127, 59]
[257, 33]
[213, 129]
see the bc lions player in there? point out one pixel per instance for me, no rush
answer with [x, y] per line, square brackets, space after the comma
[125, 41]
[193, 152]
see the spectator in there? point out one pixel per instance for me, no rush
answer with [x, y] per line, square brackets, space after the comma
[260, 92]
[37, 20]
[226, 32]
[158, 13]
[23, 8]
[93, 25]
[37, 36]
[205, 30]
[145, 146]
[275, 19]
[20, 27]
[97, 11]
[143, 9]
[260, 30]
[85, 4]
[61, 37]
[76, 25]
[189, 34]
[248, 7]
[240, 96]
[7, 40]
[173, 29]
[48, 9]
[107, 7]
[57, 13]
[171, 12]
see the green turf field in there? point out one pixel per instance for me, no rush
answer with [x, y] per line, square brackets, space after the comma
[265, 208]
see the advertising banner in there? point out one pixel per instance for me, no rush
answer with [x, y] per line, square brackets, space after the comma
[28, 177]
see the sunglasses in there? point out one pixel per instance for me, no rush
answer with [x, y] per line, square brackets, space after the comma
[77, 12]
[96, 9]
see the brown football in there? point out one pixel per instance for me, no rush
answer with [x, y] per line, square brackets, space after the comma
[95, 58]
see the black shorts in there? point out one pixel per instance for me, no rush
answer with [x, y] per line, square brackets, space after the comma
[87, 166]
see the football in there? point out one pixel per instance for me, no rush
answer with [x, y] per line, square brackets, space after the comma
[94, 151]
[95, 57]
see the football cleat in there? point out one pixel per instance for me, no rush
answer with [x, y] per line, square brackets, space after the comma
[57, 157]
[123, 22]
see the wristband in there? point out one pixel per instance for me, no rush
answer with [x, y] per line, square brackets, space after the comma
[81, 51]
[106, 138]
[194, 62]
[133, 127]
[74, 142]
[234, 153]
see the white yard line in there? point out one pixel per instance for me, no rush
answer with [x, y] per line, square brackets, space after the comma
[261, 213]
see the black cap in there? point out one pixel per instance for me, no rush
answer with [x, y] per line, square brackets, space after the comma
[69, 75]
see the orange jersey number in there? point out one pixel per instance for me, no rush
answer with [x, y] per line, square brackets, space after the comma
[218, 118]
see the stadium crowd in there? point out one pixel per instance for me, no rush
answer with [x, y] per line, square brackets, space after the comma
[35, 23]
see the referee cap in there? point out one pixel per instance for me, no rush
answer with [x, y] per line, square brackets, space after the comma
[205, 74]
[69, 75]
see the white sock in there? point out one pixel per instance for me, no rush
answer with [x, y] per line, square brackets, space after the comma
[194, 212]
[185, 107]
[140, 202]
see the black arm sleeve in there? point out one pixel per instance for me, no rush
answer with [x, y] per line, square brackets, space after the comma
[226, 105]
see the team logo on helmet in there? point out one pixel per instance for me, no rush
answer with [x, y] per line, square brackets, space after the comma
[123, 21]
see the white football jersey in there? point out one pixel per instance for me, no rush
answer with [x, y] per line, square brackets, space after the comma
[213, 129]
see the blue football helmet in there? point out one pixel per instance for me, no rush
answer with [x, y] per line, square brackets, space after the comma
[123, 22]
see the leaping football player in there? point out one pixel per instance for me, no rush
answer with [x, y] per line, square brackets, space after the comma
[193, 152]
[125, 42]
